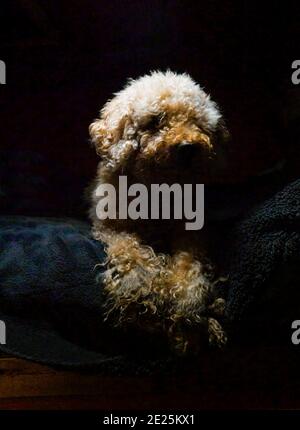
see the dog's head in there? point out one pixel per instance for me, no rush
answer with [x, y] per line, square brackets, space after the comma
[162, 121]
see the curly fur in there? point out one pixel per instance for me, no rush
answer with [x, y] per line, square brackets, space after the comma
[158, 276]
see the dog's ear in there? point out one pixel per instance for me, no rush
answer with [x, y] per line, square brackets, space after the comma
[114, 138]
[98, 134]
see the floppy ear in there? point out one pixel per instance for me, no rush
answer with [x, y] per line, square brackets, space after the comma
[114, 137]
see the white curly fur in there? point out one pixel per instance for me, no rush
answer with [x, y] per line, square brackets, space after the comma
[149, 94]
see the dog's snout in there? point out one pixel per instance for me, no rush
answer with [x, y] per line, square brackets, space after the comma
[185, 152]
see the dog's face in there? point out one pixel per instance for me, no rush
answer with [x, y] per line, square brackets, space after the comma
[163, 123]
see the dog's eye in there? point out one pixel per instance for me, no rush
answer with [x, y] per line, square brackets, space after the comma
[152, 123]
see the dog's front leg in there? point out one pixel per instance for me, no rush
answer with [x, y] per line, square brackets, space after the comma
[129, 279]
[194, 301]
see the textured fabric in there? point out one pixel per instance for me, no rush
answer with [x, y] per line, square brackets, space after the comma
[48, 260]
[51, 298]
[264, 266]
[47, 281]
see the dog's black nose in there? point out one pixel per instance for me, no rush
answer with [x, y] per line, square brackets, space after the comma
[185, 152]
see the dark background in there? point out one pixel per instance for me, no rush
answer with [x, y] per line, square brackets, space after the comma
[65, 58]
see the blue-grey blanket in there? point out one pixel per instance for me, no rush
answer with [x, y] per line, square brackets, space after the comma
[51, 303]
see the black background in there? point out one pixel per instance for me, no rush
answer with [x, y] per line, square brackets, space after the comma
[65, 58]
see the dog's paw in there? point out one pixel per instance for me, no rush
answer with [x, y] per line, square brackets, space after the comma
[129, 296]
[216, 334]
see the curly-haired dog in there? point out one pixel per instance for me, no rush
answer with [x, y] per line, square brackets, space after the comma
[162, 128]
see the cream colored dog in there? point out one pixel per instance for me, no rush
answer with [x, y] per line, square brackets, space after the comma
[162, 128]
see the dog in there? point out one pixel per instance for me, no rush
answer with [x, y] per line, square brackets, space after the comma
[161, 128]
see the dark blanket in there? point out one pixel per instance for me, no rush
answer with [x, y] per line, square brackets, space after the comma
[264, 269]
[47, 276]
[52, 305]
[51, 302]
